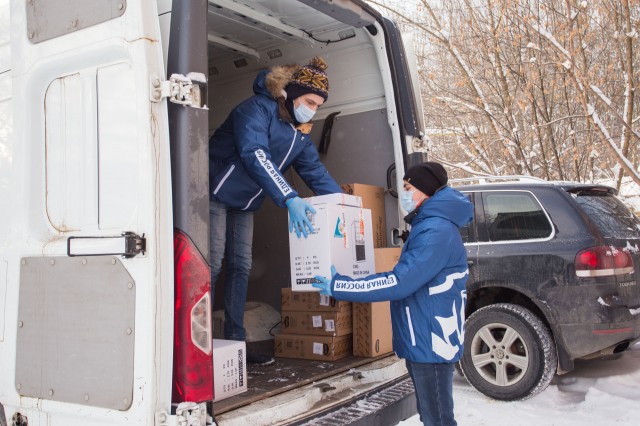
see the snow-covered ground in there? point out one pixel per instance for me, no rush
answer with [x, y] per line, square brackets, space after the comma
[597, 392]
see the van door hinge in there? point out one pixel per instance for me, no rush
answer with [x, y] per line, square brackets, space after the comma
[128, 244]
[187, 414]
[189, 90]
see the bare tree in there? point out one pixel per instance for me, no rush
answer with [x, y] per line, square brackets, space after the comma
[544, 88]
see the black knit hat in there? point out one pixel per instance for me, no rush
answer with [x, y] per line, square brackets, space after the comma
[428, 177]
[310, 78]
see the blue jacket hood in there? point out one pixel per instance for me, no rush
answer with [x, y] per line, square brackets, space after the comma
[260, 84]
[448, 203]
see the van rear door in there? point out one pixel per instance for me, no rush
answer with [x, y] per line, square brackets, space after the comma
[406, 91]
[89, 262]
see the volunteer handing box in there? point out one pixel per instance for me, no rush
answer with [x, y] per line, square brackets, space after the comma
[342, 237]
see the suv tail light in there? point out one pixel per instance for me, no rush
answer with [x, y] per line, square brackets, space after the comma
[192, 348]
[603, 261]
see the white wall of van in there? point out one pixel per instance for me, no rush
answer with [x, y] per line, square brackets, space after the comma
[6, 129]
[84, 153]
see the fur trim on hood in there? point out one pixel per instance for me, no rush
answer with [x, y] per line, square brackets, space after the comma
[278, 78]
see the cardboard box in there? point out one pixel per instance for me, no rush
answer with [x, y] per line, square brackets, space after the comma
[342, 237]
[317, 323]
[229, 368]
[320, 348]
[372, 199]
[372, 335]
[311, 301]
[386, 258]
[348, 199]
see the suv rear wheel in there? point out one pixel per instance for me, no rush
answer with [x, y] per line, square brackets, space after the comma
[509, 353]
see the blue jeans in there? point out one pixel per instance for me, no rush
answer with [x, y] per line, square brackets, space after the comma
[231, 237]
[434, 392]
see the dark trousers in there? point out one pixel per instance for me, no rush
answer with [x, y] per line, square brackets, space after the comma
[231, 239]
[434, 392]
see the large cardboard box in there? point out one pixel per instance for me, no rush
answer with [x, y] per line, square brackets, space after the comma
[317, 323]
[386, 258]
[348, 199]
[229, 368]
[372, 199]
[311, 301]
[342, 237]
[320, 348]
[372, 334]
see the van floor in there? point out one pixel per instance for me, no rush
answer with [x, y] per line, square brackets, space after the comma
[283, 375]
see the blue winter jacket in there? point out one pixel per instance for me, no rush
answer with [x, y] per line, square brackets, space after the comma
[251, 150]
[427, 286]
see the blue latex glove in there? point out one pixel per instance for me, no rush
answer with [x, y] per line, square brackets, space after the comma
[298, 219]
[324, 284]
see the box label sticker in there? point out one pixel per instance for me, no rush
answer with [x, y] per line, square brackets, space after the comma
[329, 325]
[324, 300]
[240, 367]
[317, 321]
[318, 348]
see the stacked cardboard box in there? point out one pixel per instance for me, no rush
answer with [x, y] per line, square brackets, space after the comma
[372, 334]
[372, 321]
[347, 226]
[342, 237]
[229, 368]
[314, 327]
[373, 199]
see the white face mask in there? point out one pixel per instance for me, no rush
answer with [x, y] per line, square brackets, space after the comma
[303, 113]
[406, 201]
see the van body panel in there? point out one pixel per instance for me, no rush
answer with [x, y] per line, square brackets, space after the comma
[82, 355]
[189, 127]
[87, 155]
[6, 130]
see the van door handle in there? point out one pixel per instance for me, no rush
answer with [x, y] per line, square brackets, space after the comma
[128, 244]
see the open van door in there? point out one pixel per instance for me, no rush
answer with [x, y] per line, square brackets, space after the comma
[88, 245]
[406, 93]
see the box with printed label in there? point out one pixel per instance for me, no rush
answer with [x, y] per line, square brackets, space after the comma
[342, 237]
[320, 348]
[229, 368]
[317, 323]
[348, 199]
[372, 335]
[372, 199]
[311, 301]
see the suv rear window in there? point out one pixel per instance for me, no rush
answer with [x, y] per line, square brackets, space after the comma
[610, 215]
[514, 216]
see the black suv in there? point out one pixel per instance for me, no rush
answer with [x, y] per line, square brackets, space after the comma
[553, 277]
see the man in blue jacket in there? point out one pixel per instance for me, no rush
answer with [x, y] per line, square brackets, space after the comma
[426, 289]
[260, 140]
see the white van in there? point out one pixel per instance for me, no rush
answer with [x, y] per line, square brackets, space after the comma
[106, 108]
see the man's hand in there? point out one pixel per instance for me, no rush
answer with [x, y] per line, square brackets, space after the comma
[298, 219]
[324, 284]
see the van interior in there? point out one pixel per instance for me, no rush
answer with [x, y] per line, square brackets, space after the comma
[352, 130]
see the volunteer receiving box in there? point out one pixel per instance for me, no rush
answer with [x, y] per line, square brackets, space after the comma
[342, 237]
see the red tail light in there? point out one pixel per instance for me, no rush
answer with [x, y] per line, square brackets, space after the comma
[603, 261]
[192, 349]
